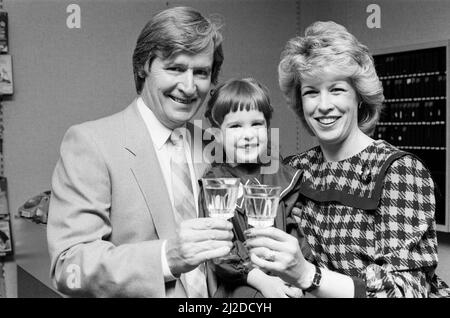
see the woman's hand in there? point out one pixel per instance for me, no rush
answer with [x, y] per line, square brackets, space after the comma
[278, 252]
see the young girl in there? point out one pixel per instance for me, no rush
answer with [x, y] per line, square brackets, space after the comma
[241, 110]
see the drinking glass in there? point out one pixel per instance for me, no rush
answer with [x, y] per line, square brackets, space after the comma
[261, 204]
[220, 199]
[221, 196]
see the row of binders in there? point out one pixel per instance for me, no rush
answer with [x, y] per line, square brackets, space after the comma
[415, 86]
[424, 136]
[411, 62]
[417, 111]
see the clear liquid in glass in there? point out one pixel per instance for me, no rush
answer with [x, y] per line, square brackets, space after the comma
[221, 200]
[261, 209]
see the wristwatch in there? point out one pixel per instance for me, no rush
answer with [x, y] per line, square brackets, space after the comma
[316, 280]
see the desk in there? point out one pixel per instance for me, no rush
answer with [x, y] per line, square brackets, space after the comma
[33, 261]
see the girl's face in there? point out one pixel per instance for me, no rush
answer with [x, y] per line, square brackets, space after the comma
[330, 107]
[244, 136]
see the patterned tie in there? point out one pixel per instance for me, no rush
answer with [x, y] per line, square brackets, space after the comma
[184, 205]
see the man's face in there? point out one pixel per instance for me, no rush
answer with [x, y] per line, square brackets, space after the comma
[176, 87]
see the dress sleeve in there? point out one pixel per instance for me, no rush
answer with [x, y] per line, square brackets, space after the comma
[293, 222]
[405, 230]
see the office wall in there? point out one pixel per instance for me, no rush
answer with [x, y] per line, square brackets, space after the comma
[66, 76]
[403, 22]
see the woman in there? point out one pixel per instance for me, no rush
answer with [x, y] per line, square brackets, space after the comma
[367, 208]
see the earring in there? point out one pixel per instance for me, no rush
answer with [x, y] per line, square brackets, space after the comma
[359, 105]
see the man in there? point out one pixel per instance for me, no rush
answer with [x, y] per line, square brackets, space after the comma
[122, 221]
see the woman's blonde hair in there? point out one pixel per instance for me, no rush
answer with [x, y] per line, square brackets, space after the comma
[329, 47]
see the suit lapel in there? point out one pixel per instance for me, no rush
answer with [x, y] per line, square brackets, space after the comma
[147, 172]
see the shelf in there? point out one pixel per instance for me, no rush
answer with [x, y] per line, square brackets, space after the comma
[411, 75]
[414, 99]
[412, 123]
[421, 148]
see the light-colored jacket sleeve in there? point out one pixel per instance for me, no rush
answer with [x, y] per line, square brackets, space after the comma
[84, 262]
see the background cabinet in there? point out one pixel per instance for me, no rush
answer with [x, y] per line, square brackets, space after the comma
[415, 117]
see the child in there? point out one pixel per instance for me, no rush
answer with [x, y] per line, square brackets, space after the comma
[241, 109]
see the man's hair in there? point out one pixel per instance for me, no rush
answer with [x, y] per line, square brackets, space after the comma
[238, 94]
[328, 46]
[173, 31]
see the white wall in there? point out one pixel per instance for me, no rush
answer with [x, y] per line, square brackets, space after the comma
[403, 22]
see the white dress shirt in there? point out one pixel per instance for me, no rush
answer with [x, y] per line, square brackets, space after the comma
[160, 135]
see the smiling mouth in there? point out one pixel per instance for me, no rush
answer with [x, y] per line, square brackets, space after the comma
[327, 121]
[182, 100]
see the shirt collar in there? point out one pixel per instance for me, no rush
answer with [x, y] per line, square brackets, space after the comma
[159, 133]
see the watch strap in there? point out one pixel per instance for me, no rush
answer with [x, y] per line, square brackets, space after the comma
[316, 280]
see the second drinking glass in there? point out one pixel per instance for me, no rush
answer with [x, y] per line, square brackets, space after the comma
[261, 204]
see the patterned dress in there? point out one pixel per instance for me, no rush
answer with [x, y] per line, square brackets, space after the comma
[371, 217]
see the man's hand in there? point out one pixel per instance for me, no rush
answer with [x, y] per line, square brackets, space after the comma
[196, 241]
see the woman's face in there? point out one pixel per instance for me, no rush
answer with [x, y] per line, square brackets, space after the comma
[330, 107]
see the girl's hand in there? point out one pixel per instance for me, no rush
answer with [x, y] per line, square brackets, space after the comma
[275, 287]
[272, 286]
[278, 252]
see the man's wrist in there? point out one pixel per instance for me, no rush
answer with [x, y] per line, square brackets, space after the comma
[168, 260]
[168, 275]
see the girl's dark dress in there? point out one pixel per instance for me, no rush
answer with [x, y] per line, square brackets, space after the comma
[232, 275]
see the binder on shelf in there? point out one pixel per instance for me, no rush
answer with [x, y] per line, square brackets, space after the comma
[3, 31]
[5, 226]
